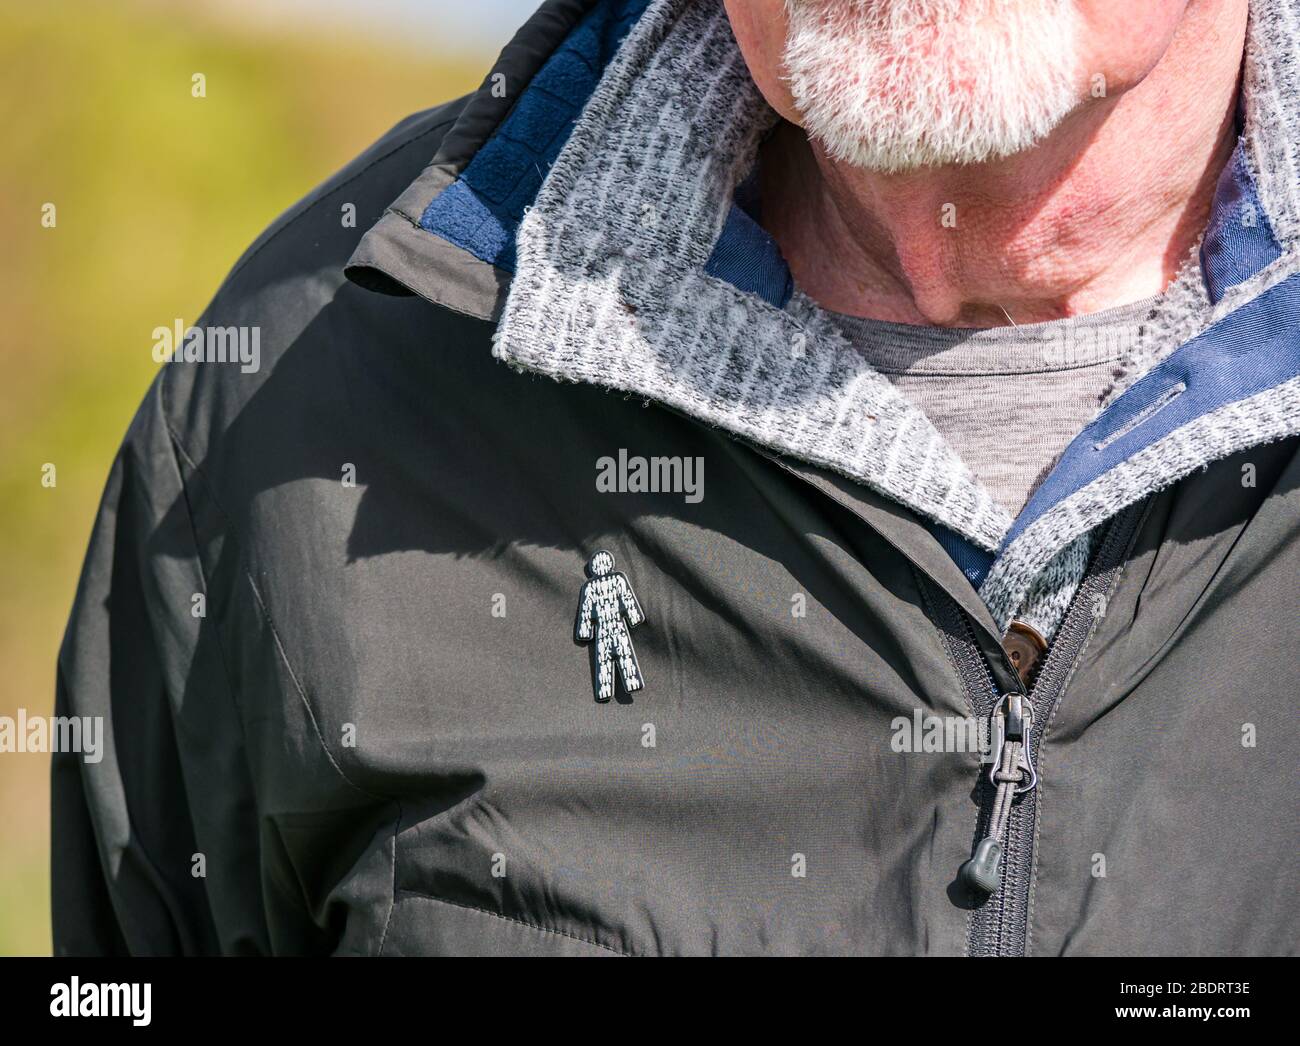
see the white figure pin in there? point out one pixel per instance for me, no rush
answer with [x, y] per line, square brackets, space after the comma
[604, 600]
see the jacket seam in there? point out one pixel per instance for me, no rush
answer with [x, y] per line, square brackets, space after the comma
[216, 628]
[411, 219]
[392, 892]
[515, 919]
[198, 559]
[270, 624]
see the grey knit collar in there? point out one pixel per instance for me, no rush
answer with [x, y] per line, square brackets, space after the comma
[610, 285]
[610, 289]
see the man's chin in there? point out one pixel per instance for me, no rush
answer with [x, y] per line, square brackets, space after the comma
[970, 91]
[885, 150]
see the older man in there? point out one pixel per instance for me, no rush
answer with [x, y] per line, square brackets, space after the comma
[982, 316]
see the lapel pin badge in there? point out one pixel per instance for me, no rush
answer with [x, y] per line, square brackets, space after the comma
[607, 612]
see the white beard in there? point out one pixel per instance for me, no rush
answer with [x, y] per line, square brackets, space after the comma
[893, 85]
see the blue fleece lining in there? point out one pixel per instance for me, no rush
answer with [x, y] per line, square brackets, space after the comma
[481, 211]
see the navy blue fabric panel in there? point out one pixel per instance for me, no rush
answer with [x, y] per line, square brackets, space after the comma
[1239, 240]
[1250, 350]
[971, 560]
[462, 218]
[481, 211]
[747, 257]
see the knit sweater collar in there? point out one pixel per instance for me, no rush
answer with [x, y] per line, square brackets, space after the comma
[612, 287]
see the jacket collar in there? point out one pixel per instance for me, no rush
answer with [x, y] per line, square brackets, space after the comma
[595, 211]
[450, 236]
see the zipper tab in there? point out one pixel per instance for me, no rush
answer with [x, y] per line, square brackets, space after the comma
[1011, 773]
[981, 872]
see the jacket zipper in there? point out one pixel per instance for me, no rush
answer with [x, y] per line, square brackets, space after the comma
[999, 923]
[999, 874]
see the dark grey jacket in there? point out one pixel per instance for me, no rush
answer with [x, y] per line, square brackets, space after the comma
[328, 611]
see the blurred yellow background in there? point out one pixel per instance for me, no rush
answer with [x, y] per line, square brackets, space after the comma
[157, 193]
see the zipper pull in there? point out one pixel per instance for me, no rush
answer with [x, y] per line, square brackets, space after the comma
[981, 873]
[1011, 773]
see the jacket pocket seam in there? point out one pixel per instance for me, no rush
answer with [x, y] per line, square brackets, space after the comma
[421, 895]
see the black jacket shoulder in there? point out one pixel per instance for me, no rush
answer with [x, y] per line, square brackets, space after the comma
[286, 284]
[370, 181]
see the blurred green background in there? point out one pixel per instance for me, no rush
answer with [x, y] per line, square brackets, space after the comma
[157, 194]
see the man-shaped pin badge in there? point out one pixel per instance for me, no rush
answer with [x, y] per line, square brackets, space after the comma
[601, 605]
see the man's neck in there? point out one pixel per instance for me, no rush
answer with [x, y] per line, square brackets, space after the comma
[1101, 213]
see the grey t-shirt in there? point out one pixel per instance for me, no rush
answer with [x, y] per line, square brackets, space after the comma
[1008, 399]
